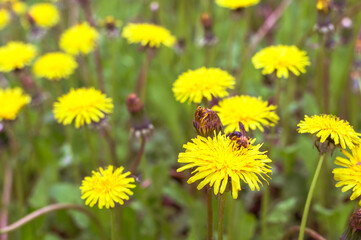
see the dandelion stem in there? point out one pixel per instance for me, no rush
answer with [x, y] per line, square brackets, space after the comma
[139, 156]
[112, 220]
[209, 214]
[221, 206]
[90, 145]
[313, 234]
[309, 198]
[231, 213]
[111, 144]
[264, 209]
[142, 78]
[48, 209]
[6, 196]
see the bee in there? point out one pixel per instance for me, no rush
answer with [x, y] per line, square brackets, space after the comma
[240, 137]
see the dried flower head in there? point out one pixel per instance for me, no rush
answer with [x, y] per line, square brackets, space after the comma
[282, 59]
[44, 15]
[253, 112]
[236, 4]
[16, 55]
[330, 128]
[195, 85]
[219, 162]
[83, 105]
[79, 39]
[207, 122]
[55, 66]
[107, 187]
[148, 34]
[11, 101]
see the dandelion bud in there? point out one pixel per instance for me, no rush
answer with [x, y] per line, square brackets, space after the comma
[206, 122]
[353, 230]
[208, 39]
[346, 30]
[140, 123]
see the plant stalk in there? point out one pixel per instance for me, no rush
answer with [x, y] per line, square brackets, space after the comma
[209, 215]
[221, 206]
[139, 156]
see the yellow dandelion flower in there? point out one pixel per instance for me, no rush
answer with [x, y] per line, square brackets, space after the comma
[253, 112]
[148, 34]
[323, 5]
[236, 4]
[194, 85]
[349, 177]
[329, 127]
[81, 38]
[55, 66]
[19, 7]
[11, 101]
[84, 105]
[282, 59]
[45, 15]
[218, 161]
[4, 18]
[107, 187]
[16, 55]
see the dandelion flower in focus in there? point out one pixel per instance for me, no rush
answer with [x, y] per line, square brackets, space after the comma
[83, 105]
[81, 38]
[236, 4]
[194, 85]
[4, 18]
[55, 66]
[282, 59]
[219, 161]
[349, 177]
[329, 127]
[253, 112]
[45, 15]
[107, 187]
[16, 55]
[148, 34]
[11, 101]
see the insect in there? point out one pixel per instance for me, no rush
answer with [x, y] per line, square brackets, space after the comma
[240, 137]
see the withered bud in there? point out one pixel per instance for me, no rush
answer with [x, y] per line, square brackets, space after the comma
[134, 104]
[240, 137]
[353, 231]
[206, 21]
[209, 38]
[327, 146]
[206, 122]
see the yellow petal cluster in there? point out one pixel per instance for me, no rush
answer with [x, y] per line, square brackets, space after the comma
[236, 4]
[55, 66]
[323, 5]
[253, 112]
[83, 105]
[330, 127]
[282, 60]
[349, 176]
[16, 55]
[194, 85]
[148, 34]
[11, 101]
[219, 162]
[45, 15]
[79, 39]
[4, 18]
[107, 187]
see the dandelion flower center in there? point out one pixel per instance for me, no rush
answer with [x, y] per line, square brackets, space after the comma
[107, 187]
[11, 101]
[251, 111]
[282, 59]
[194, 85]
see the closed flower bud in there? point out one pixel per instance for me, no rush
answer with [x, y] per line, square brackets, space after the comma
[206, 122]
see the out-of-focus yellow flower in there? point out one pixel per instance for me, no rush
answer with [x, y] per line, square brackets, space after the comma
[11, 101]
[45, 15]
[16, 55]
[19, 7]
[329, 127]
[219, 162]
[84, 106]
[55, 66]
[107, 187]
[323, 5]
[252, 112]
[349, 177]
[148, 35]
[282, 59]
[194, 85]
[4, 18]
[81, 38]
[236, 4]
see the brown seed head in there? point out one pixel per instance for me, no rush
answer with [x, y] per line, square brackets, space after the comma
[206, 121]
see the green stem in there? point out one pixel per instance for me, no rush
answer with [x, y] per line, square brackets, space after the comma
[209, 215]
[309, 198]
[112, 216]
[91, 147]
[231, 213]
[264, 209]
[221, 206]
[135, 164]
